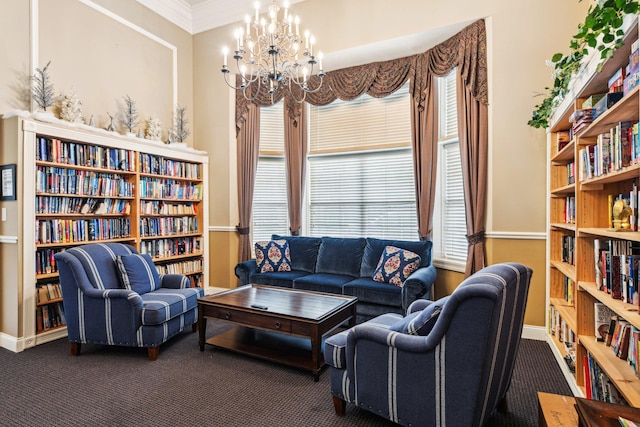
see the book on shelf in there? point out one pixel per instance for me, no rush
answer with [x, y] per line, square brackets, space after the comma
[562, 139]
[602, 317]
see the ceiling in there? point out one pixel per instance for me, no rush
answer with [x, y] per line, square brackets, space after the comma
[195, 16]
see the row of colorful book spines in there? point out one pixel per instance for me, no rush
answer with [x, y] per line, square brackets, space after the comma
[558, 327]
[160, 248]
[569, 290]
[50, 316]
[48, 292]
[182, 191]
[184, 267]
[52, 205]
[571, 173]
[83, 185]
[158, 165]
[569, 210]
[161, 207]
[81, 154]
[598, 386]
[165, 226]
[78, 154]
[81, 230]
[620, 276]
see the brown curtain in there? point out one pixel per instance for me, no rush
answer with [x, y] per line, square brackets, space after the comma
[424, 140]
[295, 150]
[473, 135]
[248, 143]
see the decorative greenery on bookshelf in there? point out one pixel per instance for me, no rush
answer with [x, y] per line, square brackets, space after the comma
[601, 30]
[43, 88]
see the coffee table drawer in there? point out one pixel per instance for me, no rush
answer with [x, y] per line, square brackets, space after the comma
[258, 320]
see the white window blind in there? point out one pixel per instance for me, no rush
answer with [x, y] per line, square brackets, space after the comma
[449, 231]
[361, 169]
[269, 213]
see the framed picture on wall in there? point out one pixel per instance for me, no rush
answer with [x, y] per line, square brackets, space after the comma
[8, 177]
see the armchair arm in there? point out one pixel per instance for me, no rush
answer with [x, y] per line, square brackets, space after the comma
[174, 281]
[244, 269]
[419, 284]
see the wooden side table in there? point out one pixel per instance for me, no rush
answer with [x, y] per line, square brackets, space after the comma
[555, 410]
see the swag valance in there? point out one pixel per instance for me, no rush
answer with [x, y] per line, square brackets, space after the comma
[465, 50]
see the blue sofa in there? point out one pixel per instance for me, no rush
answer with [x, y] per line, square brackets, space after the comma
[346, 266]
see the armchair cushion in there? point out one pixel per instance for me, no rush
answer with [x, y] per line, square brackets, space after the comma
[420, 322]
[336, 345]
[138, 273]
[164, 304]
[273, 255]
[396, 265]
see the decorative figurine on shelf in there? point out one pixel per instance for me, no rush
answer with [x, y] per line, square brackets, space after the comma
[621, 213]
[70, 107]
[154, 129]
[92, 121]
[110, 128]
[43, 88]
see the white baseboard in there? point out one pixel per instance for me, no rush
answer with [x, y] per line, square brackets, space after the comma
[11, 343]
[534, 333]
[210, 290]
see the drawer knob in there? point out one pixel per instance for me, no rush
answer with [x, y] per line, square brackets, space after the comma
[227, 315]
[278, 325]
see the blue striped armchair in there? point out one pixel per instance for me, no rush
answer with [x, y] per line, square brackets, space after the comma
[446, 362]
[114, 296]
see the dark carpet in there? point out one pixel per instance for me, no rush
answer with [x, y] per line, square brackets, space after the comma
[111, 386]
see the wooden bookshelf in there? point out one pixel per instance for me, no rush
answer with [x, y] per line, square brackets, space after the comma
[590, 226]
[79, 186]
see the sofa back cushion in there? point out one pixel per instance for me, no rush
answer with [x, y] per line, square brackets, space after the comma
[374, 248]
[303, 251]
[341, 256]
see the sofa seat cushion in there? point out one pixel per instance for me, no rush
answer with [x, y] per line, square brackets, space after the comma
[303, 250]
[368, 290]
[283, 279]
[335, 346]
[341, 256]
[374, 248]
[322, 282]
[163, 304]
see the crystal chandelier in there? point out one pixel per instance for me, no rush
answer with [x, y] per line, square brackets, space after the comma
[274, 55]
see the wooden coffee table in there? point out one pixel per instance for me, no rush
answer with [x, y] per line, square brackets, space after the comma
[277, 324]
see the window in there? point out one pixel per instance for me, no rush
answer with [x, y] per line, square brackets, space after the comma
[361, 169]
[270, 214]
[449, 221]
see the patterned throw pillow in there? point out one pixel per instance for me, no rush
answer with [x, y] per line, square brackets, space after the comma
[138, 273]
[396, 265]
[273, 255]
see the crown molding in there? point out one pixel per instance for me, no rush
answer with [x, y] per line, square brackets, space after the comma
[177, 11]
